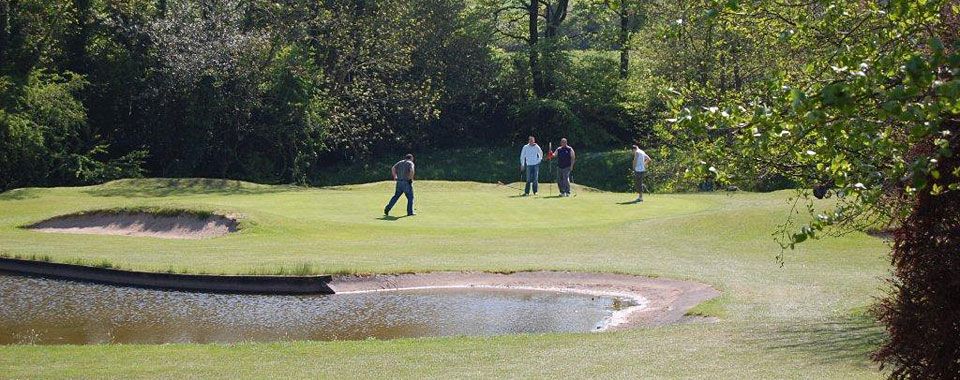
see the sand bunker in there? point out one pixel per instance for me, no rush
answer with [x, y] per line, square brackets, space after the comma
[168, 226]
[657, 301]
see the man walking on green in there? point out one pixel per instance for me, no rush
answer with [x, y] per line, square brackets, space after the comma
[530, 157]
[640, 162]
[566, 158]
[403, 172]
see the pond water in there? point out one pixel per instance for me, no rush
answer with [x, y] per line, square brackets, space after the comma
[42, 311]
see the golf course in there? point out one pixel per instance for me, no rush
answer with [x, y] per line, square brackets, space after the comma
[805, 318]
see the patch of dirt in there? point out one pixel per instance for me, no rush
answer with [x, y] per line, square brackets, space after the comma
[182, 226]
[658, 301]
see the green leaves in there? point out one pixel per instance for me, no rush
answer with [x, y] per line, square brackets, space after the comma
[835, 95]
[847, 113]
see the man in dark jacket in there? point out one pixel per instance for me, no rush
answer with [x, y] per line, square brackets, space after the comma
[566, 158]
[403, 172]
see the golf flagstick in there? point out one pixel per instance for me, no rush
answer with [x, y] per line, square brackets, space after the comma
[550, 164]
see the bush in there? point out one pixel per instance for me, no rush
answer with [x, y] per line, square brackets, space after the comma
[547, 119]
[44, 138]
[922, 313]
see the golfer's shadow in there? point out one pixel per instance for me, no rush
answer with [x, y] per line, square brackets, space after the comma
[390, 218]
[633, 202]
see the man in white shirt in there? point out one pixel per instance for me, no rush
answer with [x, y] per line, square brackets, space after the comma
[530, 157]
[640, 162]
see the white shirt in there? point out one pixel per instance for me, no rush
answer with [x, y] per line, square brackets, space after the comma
[531, 154]
[641, 158]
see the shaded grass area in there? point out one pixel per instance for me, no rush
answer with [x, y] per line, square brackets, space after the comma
[606, 170]
[166, 187]
[687, 351]
[802, 320]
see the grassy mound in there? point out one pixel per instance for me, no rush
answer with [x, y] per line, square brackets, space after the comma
[799, 320]
[606, 170]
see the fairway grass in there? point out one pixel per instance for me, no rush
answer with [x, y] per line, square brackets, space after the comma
[801, 320]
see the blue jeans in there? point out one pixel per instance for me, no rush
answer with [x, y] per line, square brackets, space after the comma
[533, 177]
[404, 187]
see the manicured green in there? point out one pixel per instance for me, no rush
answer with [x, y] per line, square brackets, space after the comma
[804, 319]
[605, 169]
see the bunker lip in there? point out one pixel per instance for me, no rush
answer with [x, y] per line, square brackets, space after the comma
[167, 225]
[657, 301]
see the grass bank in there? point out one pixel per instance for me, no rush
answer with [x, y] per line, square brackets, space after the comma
[801, 320]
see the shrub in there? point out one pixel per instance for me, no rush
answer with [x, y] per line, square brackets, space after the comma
[922, 313]
[547, 119]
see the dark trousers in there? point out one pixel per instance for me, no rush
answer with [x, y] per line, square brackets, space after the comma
[404, 187]
[563, 181]
[533, 178]
[638, 178]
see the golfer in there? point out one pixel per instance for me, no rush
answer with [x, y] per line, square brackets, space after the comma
[566, 157]
[640, 163]
[403, 172]
[530, 157]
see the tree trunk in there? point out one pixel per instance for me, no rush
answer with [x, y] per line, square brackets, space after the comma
[624, 40]
[77, 45]
[555, 15]
[5, 29]
[536, 71]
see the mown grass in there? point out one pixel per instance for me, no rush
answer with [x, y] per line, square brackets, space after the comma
[605, 170]
[801, 320]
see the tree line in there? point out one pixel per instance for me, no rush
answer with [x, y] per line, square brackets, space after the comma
[276, 90]
[852, 99]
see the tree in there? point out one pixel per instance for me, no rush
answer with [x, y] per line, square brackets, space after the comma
[630, 15]
[871, 115]
[544, 55]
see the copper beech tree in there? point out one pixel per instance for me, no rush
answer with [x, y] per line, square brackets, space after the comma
[871, 116]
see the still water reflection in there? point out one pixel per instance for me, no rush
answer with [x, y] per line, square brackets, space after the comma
[41, 311]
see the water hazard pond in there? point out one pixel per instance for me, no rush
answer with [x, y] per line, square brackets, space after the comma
[42, 311]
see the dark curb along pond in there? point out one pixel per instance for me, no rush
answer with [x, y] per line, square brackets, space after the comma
[229, 284]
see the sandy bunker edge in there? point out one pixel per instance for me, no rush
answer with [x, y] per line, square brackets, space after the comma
[165, 224]
[658, 301]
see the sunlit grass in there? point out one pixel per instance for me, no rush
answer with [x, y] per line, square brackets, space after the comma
[801, 320]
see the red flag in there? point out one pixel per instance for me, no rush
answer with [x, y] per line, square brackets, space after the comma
[550, 152]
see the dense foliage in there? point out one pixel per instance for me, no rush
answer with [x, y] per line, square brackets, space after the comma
[849, 99]
[869, 113]
[922, 311]
[275, 91]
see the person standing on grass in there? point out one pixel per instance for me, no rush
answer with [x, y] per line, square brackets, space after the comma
[566, 158]
[640, 163]
[530, 157]
[403, 172]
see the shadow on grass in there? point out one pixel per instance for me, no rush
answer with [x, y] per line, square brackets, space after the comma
[851, 338]
[391, 218]
[162, 187]
[633, 202]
